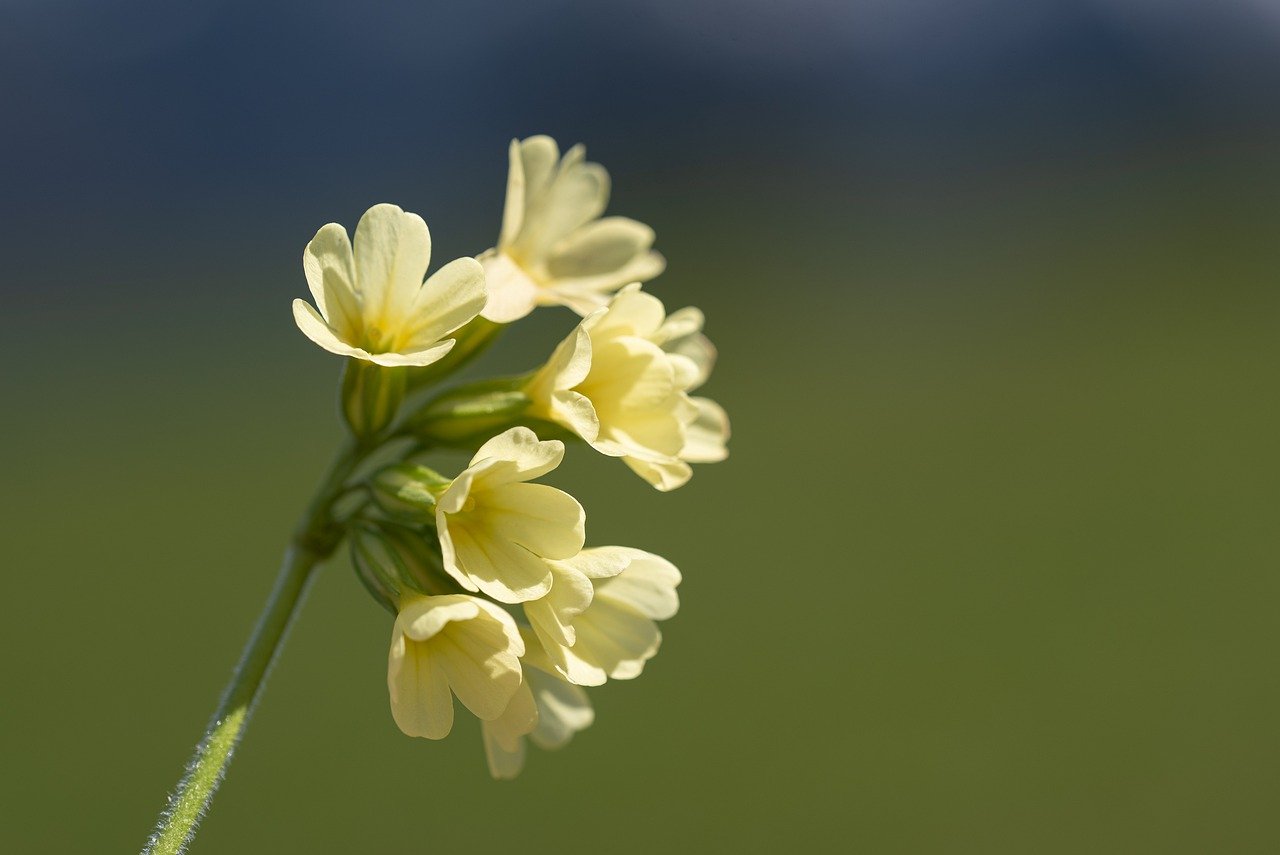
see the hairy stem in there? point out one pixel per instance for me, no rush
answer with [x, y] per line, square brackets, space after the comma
[315, 540]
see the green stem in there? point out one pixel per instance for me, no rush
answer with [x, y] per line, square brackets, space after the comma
[316, 538]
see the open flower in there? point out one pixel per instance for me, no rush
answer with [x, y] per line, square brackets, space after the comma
[451, 645]
[496, 530]
[373, 304]
[608, 630]
[554, 249]
[621, 380]
[559, 709]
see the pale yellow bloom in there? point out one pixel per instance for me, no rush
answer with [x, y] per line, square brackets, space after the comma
[451, 645]
[560, 710]
[496, 530]
[598, 621]
[373, 304]
[554, 248]
[621, 381]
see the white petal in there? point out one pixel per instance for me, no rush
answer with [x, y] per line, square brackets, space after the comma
[563, 710]
[680, 323]
[450, 298]
[528, 456]
[552, 615]
[327, 264]
[513, 204]
[421, 703]
[481, 668]
[648, 585]
[602, 246]
[665, 476]
[601, 562]
[392, 250]
[512, 292]
[632, 312]
[422, 618]
[538, 155]
[548, 522]
[616, 638]
[415, 358]
[592, 291]
[707, 435]
[576, 194]
[504, 736]
[501, 569]
[314, 328]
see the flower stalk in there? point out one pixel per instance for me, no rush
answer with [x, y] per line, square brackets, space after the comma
[315, 540]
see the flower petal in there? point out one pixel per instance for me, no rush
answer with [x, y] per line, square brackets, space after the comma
[415, 358]
[602, 246]
[450, 298]
[421, 703]
[392, 251]
[528, 457]
[576, 193]
[548, 522]
[327, 264]
[504, 736]
[512, 293]
[706, 436]
[648, 585]
[422, 618]
[664, 475]
[601, 562]
[563, 710]
[314, 327]
[501, 569]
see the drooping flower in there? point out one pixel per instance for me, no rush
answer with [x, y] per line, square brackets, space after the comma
[496, 531]
[621, 381]
[554, 248]
[373, 304]
[606, 631]
[561, 709]
[449, 645]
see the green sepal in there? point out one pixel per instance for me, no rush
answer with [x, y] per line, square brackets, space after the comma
[371, 396]
[408, 491]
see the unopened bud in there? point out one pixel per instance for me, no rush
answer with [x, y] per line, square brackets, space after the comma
[475, 411]
[392, 560]
[408, 491]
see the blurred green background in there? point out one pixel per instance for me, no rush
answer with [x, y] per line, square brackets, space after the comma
[992, 566]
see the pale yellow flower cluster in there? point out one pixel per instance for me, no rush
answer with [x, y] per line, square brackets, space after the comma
[499, 602]
[589, 613]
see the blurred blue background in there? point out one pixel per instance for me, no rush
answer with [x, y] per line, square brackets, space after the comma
[992, 567]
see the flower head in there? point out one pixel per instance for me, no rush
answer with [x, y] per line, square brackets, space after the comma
[451, 645]
[496, 530]
[601, 626]
[554, 248]
[621, 381]
[559, 710]
[373, 304]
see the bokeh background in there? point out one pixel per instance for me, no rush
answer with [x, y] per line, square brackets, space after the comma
[992, 567]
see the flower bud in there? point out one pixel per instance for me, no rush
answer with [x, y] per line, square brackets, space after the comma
[371, 395]
[395, 560]
[407, 491]
[477, 411]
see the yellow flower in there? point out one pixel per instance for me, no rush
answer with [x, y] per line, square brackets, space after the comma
[554, 248]
[560, 710]
[598, 621]
[621, 381]
[495, 530]
[451, 645]
[373, 304]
